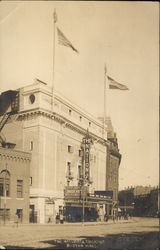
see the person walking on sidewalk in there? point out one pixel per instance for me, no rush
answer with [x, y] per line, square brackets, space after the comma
[61, 218]
[57, 218]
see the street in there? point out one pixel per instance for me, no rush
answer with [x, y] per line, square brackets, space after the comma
[136, 233]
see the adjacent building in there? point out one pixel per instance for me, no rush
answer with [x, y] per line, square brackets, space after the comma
[139, 201]
[14, 185]
[54, 131]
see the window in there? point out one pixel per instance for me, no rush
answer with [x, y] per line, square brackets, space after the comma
[70, 111]
[4, 183]
[69, 168]
[30, 181]
[31, 145]
[89, 124]
[4, 213]
[79, 152]
[79, 171]
[69, 173]
[32, 98]
[80, 118]
[19, 188]
[70, 149]
[1, 187]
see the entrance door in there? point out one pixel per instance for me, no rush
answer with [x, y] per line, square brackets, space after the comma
[49, 212]
[20, 215]
[32, 214]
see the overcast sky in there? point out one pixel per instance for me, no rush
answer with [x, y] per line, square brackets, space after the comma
[124, 35]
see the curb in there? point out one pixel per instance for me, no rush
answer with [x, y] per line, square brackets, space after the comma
[71, 224]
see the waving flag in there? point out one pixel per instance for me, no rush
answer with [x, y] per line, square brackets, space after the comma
[116, 85]
[64, 41]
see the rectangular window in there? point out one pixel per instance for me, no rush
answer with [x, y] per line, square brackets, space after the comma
[69, 168]
[80, 152]
[69, 172]
[80, 171]
[30, 181]
[7, 189]
[1, 186]
[70, 149]
[19, 188]
[31, 145]
[4, 213]
[4, 183]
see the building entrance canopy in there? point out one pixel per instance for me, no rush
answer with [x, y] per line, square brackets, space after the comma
[74, 196]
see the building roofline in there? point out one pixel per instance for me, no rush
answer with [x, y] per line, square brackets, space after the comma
[44, 88]
[76, 107]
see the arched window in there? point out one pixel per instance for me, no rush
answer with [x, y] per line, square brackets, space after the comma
[4, 183]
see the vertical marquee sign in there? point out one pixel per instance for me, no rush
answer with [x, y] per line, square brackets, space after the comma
[86, 144]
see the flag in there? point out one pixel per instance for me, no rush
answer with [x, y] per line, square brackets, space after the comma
[116, 85]
[64, 41]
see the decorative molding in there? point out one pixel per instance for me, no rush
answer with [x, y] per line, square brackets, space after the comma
[62, 120]
[14, 155]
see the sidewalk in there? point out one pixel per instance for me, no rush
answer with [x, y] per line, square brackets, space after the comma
[94, 223]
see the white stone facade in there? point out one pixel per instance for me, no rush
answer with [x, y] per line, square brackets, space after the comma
[49, 132]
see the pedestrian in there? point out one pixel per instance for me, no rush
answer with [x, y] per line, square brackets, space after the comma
[57, 218]
[16, 219]
[61, 218]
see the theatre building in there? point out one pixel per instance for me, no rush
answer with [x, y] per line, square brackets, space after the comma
[70, 150]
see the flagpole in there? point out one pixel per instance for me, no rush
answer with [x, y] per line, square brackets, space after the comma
[105, 89]
[54, 52]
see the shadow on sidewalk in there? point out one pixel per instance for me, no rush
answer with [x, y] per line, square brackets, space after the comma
[139, 241]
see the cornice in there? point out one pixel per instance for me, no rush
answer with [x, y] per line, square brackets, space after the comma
[77, 109]
[63, 100]
[63, 121]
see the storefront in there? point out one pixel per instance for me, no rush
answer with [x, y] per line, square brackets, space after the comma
[96, 207]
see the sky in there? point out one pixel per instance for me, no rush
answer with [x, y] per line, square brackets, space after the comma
[124, 35]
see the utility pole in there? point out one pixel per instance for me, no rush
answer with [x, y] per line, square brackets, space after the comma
[54, 55]
[83, 205]
[83, 181]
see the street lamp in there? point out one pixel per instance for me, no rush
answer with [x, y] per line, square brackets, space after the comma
[83, 183]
